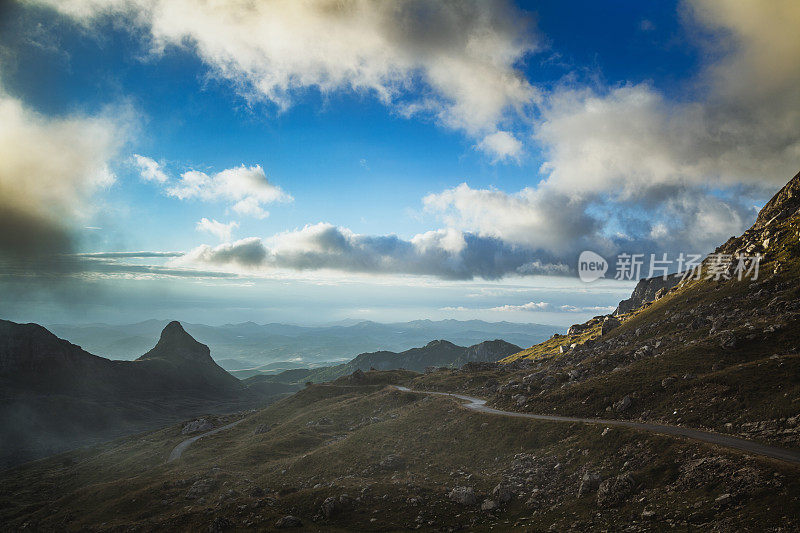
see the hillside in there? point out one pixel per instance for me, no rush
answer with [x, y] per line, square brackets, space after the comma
[56, 396]
[722, 354]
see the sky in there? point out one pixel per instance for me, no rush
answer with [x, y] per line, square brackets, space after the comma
[307, 162]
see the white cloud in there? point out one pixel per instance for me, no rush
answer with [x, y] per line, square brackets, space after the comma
[219, 229]
[501, 145]
[247, 188]
[149, 169]
[530, 306]
[460, 56]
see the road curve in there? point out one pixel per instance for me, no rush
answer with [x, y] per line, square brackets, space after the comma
[176, 452]
[790, 456]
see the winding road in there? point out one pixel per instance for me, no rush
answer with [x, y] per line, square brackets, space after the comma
[178, 450]
[790, 456]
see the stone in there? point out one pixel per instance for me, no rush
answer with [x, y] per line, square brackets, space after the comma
[623, 404]
[288, 521]
[200, 487]
[261, 429]
[667, 382]
[502, 493]
[590, 482]
[615, 490]
[463, 495]
[488, 505]
[329, 507]
[197, 426]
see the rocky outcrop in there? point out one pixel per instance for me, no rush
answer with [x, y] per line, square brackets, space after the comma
[648, 290]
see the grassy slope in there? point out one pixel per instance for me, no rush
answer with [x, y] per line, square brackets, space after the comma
[329, 440]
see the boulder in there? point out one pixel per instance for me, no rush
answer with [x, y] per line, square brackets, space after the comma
[502, 493]
[623, 404]
[489, 505]
[590, 482]
[463, 495]
[329, 507]
[615, 490]
[288, 521]
[200, 487]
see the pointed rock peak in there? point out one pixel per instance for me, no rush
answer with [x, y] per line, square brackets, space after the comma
[176, 343]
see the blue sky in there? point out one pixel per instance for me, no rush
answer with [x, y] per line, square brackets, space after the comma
[458, 148]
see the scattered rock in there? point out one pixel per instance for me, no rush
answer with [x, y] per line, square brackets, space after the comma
[197, 426]
[502, 493]
[261, 429]
[219, 524]
[200, 487]
[329, 507]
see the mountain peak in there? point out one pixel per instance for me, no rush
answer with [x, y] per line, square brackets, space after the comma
[785, 203]
[176, 344]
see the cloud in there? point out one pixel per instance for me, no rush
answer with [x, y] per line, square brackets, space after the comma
[447, 254]
[149, 169]
[247, 188]
[739, 123]
[453, 61]
[50, 168]
[530, 306]
[501, 145]
[220, 230]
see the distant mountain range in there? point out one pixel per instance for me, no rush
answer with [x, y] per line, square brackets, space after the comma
[54, 395]
[253, 345]
[439, 353]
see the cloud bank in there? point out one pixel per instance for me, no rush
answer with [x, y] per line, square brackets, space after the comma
[49, 170]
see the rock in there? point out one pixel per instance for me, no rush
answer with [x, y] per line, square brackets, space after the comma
[723, 499]
[463, 495]
[564, 348]
[590, 481]
[623, 404]
[668, 382]
[502, 493]
[329, 507]
[648, 514]
[392, 462]
[288, 521]
[261, 429]
[196, 426]
[200, 488]
[488, 505]
[615, 490]
[520, 399]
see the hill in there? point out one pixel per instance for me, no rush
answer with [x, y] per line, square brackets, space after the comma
[56, 396]
[439, 353]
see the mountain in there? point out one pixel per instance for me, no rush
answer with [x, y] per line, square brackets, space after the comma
[438, 353]
[55, 395]
[262, 344]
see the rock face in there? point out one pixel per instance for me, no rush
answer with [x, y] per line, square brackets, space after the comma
[647, 290]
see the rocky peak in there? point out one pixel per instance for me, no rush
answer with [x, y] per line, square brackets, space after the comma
[783, 205]
[176, 344]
